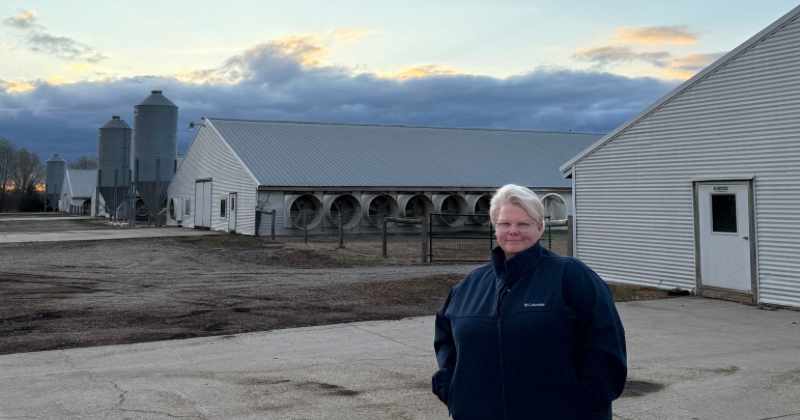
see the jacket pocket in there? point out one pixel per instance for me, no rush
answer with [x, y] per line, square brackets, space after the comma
[592, 400]
[586, 396]
[440, 386]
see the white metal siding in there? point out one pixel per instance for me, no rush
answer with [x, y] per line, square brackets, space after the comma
[210, 158]
[268, 201]
[634, 219]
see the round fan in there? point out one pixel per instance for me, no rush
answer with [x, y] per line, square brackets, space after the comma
[416, 206]
[301, 205]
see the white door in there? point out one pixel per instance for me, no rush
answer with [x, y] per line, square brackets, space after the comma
[202, 204]
[724, 224]
[232, 204]
[198, 201]
[206, 204]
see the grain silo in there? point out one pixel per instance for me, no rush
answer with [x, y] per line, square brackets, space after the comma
[155, 132]
[56, 169]
[113, 162]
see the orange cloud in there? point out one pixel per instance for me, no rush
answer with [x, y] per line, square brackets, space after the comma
[17, 86]
[55, 80]
[671, 73]
[655, 35]
[308, 48]
[23, 20]
[695, 62]
[349, 35]
[419, 71]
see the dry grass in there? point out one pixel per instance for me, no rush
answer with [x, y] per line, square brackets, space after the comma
[366, 251]
[628, 293]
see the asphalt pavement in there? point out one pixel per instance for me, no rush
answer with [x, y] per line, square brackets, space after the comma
[689, 358]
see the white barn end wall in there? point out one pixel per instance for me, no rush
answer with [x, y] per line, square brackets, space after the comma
[210, 158]
[634, 195]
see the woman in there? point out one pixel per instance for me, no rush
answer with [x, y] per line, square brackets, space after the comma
[532, 335]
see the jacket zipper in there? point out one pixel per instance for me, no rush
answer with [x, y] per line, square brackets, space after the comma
[501, 299]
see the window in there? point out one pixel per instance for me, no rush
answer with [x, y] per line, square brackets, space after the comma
[233, 204]
[723, 213]
[187, 207]
[222, 208]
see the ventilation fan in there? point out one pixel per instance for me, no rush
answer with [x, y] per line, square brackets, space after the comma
[555, 208]
[450, 210]
[347, 207]
[481, 210]
[300, 205]
[416, 206]
[379, 207]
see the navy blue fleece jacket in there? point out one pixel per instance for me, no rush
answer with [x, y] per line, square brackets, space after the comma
[552, 347]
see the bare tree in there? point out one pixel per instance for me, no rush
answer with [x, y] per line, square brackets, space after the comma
[28, 175]
[8, 158]
[84, 162]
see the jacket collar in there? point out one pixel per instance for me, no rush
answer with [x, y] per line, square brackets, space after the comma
[517, 266]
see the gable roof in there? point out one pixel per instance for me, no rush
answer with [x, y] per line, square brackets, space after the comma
[306, 154]
[81, 182]
[566, 168]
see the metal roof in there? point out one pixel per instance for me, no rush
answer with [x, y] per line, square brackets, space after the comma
[304, 154]
[81, 182]
[116, 122]
[55, 158]
[156, 98]
[683, 87]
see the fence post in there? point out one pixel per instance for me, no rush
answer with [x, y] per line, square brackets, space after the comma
[305, 227]
[425, 238]
[272, 227]
[383, 236]
[341, 232]
[570, 245]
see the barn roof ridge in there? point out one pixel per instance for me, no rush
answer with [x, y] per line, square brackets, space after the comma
[400, 126]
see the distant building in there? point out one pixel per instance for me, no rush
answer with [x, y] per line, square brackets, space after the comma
[700, 189]
[319, 175]
[78, 194]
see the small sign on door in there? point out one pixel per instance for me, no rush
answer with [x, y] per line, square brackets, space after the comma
[720, 189]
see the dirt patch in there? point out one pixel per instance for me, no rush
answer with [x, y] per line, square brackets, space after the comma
[81, 294]
[625, 293]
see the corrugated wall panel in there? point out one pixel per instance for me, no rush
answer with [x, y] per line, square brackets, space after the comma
[634, 195]
[210, 158]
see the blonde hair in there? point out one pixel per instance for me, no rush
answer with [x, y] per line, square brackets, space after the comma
[521, 196]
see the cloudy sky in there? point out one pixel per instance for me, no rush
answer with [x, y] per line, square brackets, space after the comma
[67, 67]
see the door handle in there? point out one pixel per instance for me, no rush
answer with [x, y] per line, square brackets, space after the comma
[745, 237]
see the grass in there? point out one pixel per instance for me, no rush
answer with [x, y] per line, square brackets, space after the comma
[628, 293]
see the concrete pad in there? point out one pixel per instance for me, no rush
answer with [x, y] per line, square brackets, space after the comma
[689, 358]
[100, 234]
[42, 218]
[715, 360]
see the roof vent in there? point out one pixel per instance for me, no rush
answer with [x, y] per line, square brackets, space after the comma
[155, 92]
[115, 117]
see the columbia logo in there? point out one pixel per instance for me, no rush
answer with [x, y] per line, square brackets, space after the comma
[528, 305]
